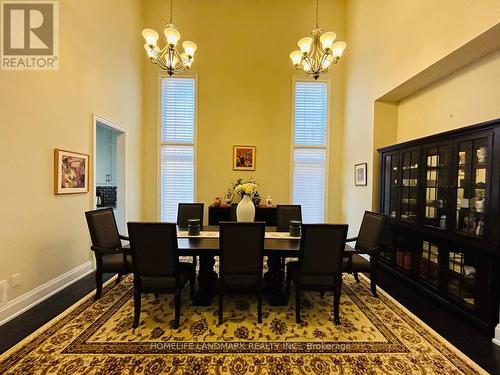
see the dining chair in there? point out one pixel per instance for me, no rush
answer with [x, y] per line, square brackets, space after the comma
[285, 213]
[241, 258]
[187, 211]
[232, 213]
[110, 256]
[368, 241]
[319, 267]
[156, 265]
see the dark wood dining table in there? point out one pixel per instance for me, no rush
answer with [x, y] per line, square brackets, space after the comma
[275, 249]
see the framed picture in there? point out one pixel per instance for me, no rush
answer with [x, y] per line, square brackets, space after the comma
[244, 158]
[360, 174]
[71, 172]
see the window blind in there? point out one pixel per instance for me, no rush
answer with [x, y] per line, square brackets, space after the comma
[177, 165]
[310, 113]
[178, 110]
[310, 149]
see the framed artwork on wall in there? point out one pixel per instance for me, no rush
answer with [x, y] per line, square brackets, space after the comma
[360, 178]
[244, 158]
[71, 172]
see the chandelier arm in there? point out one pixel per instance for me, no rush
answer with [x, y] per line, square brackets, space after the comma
[322, 61]
[180, 63]
[163, 51]
[157, 59]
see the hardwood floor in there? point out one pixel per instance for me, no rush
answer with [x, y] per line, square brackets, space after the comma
[474, 343]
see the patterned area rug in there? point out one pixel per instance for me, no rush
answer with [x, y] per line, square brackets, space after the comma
[376, 336]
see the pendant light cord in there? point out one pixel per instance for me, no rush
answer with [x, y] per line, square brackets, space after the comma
[171, 8]
[317, 7]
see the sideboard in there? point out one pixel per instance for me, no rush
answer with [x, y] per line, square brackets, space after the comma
[223, 213]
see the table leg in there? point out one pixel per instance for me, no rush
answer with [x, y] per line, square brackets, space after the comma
[273, 281]
[207, 279]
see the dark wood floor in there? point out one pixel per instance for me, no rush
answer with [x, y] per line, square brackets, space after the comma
[465, 336]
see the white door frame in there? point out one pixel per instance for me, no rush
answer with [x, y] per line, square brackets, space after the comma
[121, 160]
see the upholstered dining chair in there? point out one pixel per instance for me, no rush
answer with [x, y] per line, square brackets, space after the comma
[187, 211]
[285, 213]
[319, 267]
[156, 264]
[109, 254]
[368, 241]
[232, 213]
[241, 258]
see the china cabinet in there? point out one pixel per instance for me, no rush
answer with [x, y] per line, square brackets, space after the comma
[442, 196]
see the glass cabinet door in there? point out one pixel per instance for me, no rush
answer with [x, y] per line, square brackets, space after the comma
[391, 185]
[409, 187]
[437, 172]
[462, 277]
[429, 263]
[472, 182]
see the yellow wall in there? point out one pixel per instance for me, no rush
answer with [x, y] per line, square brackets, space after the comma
[390, 41]
[244, 91]
[469, 96]
[43, 235]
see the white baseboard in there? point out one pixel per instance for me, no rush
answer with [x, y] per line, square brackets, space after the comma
[32, 298]
[496, 339]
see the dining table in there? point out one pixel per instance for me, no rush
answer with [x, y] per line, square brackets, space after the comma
[277, 245]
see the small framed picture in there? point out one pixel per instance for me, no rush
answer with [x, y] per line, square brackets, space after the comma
[244, 158]
[360, 174]
[71, 172]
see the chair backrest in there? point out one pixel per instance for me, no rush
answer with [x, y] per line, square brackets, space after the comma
[322, 248]
[242, 248]
[103, 229]
[232, 214]
[187, 211]
[371, 231]
[154, 249]
[285, 213]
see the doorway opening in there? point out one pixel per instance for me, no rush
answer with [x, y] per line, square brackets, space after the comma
[110, 169]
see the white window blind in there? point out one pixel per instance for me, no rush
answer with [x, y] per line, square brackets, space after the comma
[310, 149]
[178, 133]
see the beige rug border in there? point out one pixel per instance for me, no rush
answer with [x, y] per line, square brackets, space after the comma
[54, 320]
[425, 326]
[366, 279]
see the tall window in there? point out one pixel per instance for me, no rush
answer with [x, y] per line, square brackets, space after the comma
[310, 147]
[177, 140]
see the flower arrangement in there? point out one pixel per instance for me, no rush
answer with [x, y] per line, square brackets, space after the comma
[245, 187]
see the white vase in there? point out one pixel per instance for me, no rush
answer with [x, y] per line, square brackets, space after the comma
[245, 210]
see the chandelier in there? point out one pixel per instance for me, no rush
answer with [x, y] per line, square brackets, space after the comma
[316, 54]
[168, 58]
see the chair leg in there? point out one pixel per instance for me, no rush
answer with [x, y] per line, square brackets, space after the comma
[373, 275]
[118, 278]
[177, 303]
[322, 293]
[221, 305]
[259, 305]
[297, 304]
[157, 295]
[336, 299]
[192, 283]
[98, 285]
[356, 277]
[288, 282]
[137, 307]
